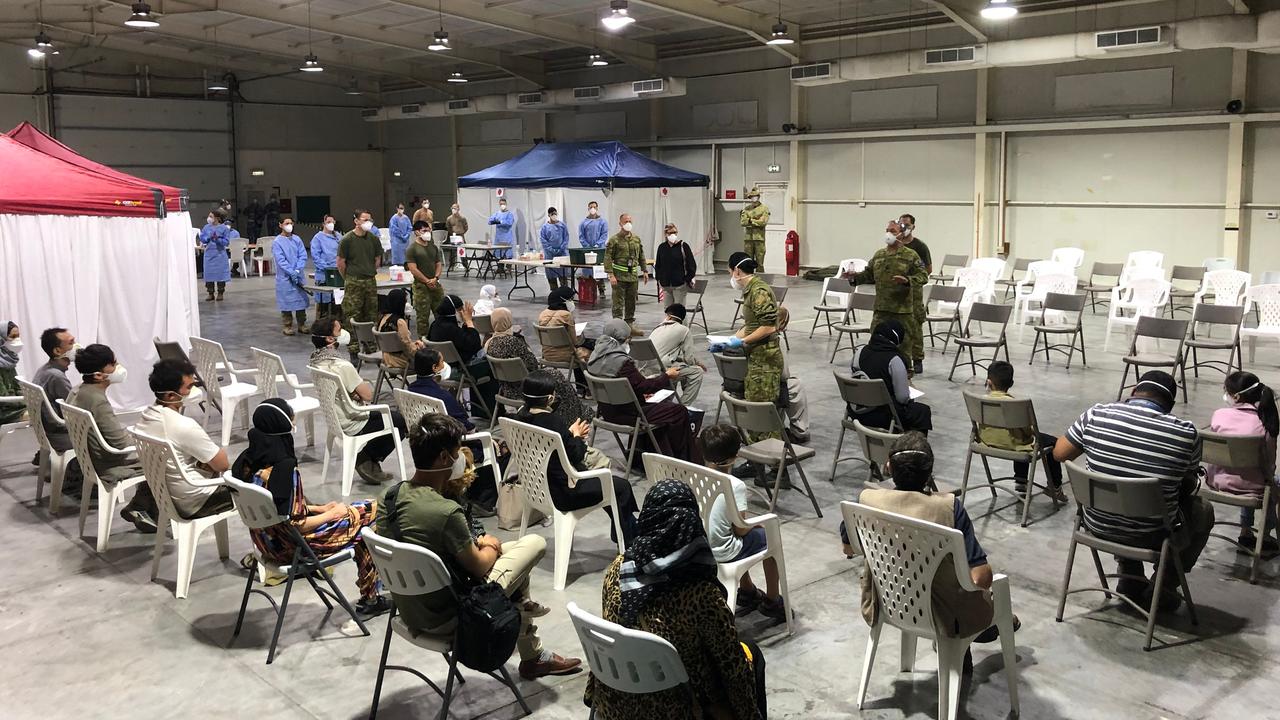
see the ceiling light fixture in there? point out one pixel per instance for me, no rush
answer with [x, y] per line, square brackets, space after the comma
[141, 17]
[617, 17]
[595, 59]
[999, 10]
[35, 53]
[311, 63]
[778, 33]
[440, 41]
[218, 86]
[353, 88]
[256, 172]
[456, 77]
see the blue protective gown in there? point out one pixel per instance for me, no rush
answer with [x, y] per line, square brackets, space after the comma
[593, 233]
[401, 230]
[290, 256]
[555, 242]
[324, 253]
[217, 260]
[503, 235]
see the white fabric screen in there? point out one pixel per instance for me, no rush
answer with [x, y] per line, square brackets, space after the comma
[116, 281]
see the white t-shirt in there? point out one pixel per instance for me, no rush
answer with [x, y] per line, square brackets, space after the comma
[193, 446]
[350, 378]
[725, 546]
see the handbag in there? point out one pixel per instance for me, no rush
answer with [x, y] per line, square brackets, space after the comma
[510, 506]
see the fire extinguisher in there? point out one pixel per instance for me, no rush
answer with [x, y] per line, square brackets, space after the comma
[793, 253]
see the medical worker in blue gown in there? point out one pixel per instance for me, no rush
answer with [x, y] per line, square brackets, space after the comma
[215, 237]
[503, 221]
[555, 243]
[324, 255]
[290, 256]
[401, 232]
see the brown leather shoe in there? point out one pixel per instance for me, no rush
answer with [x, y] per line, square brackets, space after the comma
[533, 669]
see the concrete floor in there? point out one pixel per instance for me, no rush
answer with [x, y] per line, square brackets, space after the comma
[89, 635]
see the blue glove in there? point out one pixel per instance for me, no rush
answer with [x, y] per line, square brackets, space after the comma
[735, 342]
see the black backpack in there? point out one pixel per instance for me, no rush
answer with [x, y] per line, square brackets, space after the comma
[488, 621]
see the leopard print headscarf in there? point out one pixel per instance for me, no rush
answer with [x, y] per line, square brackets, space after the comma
[670, 548]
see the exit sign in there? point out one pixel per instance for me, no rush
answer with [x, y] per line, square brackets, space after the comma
[730, 194]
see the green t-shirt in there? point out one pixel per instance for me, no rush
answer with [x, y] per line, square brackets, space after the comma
[427, 518]
[360, 253]
[426, 257]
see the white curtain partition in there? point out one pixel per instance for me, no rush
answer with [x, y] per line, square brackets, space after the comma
[111, 280]
[688, 208]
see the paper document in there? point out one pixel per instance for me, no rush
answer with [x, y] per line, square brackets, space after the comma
[914, 393]
[598, 273]
[660, 396]
[718, 339]
[579, 327]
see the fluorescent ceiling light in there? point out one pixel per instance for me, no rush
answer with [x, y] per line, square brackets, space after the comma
[396, 173]
[256, 172]
[35, 52]
[141, 17]
[617, 17]
[440, 41]
[779, 35]
[456, 77]
[595, 59]
[311, 64]
[218, 86]
[353, 88]
[999, 10]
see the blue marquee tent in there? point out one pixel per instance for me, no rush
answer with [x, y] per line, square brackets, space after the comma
[582, 165]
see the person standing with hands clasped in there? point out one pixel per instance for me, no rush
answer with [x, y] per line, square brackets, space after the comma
[215, 238]
[555, 243]
[674, 266]
[290, 257]
[401, 234]
[593, 234]
[503, 221]
[324, 253]
[422, 260]
[895, 270]
[624, 262]
[754, 218]
[359, 255]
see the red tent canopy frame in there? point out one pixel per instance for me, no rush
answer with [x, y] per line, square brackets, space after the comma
[45, 177]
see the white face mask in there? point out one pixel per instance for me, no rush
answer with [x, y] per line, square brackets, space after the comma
[426, 204]
[367, 225]
[553, 218]
[570, 305]
[890, 238]
[733, 283]
[906, 232]
[399, 211]
[459, 466]
[455, 210]
[288, 228]
[502, 208]
[328, 227]
[592, 212]
[71, 354]
[15, 344]
[1226, 398]
[119, 376]
[673, 239]
[344, 337]
[626, 226]
[209, 219]
[444, 373]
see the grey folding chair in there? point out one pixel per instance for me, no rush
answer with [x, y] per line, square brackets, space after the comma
[510, 371]
[1240, 452]
[733, 376]
[1070, 305]
[875, 446]
[948, 261]
[1134, 498]
[464, 381]
[258, 512]
[173, 351]
[693, 303]
[1181, 297]
[862, 393]
[765, 418]
[1156, 329]
[483, 324]
[980, 313]
[643, 351]
[1093, 288]
[852, 329]
[389, 342]
[1020, 265]
[1005, 414]
[1232, 316]
[365, 338]
[952, 294]
[558, 336]
[824, 309]
[618, 391]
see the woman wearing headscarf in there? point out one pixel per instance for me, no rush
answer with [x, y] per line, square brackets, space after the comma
[270, 462]
[880, 359]
[671, 422]
[505, 343]
[453, 324]
[560, 312]
[488, 300]
[10, 344]
[393, 320]
[666, 584]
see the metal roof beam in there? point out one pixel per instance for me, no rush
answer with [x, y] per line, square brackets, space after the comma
[708, 11]
[961, 16]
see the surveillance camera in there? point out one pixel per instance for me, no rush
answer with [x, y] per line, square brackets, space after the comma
[788, 128]
[1235, 107]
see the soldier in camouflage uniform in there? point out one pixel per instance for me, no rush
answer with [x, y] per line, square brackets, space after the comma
[754, 218]
[758, 335]
[624, 262]
[423, 260]
[359, 255]
[908, 223]
[898, 273]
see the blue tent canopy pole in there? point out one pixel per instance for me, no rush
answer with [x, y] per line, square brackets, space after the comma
[603, 165]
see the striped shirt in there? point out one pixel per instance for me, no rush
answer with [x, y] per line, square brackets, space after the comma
[1136, 439]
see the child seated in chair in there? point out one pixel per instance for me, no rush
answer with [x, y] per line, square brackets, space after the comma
[1251, 410]
[729, 542]
[999, 380]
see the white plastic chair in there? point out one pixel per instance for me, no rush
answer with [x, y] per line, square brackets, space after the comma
[1265, 300]
[236, 251]
[979, 286]
[1228, 287]
[271, 372]
[53, 464]
[629, 661]
[531, 450]
[413, 406]
[1044, 284]
[412, 570]
[84, 430]
[13, 427]
[993, 265]
[1143, 296]
[263, 255]
[1142, 259]
[708, 485]
[903, 554]
[336, 405]
[211, 361]
[1072, 257]
[1219, 263]
[159, 457]
[1037, 268]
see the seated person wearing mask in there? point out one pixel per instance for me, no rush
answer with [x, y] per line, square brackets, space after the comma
[961, 612]
[171, 381]
[1140, 437]
[560, 312]
[327, 335]
[454, 324]
[880, 359]
[539, 391]
[98, 368]
[420, 512]
[60, 345]
[1251, 410]
[999, 380]
[10, 345]
[393, 320]
[674, 343]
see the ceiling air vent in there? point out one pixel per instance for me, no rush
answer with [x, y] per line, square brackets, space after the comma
[532, 98]
[1126, 39]
[949, 55]
[369, 113]
[641, 87]
[588, 93]
[410, 109]
[816, 71]
[455, 105]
